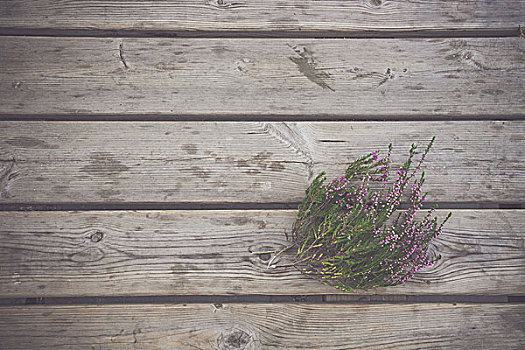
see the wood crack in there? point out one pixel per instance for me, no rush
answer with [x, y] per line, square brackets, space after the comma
[121, 54]
[7, 174]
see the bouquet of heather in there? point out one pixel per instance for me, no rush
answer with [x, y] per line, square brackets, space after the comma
[349, 234]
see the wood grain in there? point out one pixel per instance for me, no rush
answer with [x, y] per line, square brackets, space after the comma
[272, 15]
[246, 162]
[124, 253]
[340, 78]
[264, 326]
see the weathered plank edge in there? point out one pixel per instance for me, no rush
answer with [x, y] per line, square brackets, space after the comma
[271, 326]
[254, 16]
[144, 84]
[161, 253]
[69, 164]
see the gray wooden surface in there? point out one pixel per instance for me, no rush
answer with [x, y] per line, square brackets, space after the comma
[358, 78]
[209, 252]
[262, 16]
[115, 113]
[246, 162]
[265, 326]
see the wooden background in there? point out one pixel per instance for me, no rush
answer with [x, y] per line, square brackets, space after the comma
[147, 148]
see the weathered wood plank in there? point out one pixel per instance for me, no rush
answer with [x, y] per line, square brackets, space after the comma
[272, 15]
[293, 77]
[264, 326]
[120, 253]
[246, 162]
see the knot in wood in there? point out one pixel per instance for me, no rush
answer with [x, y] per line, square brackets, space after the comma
[97, 236]
[265, 256]
[236, 339]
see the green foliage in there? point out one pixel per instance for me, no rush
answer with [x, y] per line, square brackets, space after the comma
[345, 232]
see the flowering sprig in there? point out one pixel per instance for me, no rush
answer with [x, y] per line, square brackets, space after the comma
[344, 231]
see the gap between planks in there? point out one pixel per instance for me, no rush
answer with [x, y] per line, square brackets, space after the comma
[292, 118]
[251, 299]
[117, 206]
[504, 32]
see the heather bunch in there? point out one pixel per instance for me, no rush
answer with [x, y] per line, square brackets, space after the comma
[349, 232]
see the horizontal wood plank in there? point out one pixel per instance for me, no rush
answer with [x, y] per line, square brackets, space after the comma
[258, 15]
[341, 78]
[245, 162]
[264, 326]
[124, 253]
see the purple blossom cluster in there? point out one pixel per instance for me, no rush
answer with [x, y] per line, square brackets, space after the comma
[361, 202]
